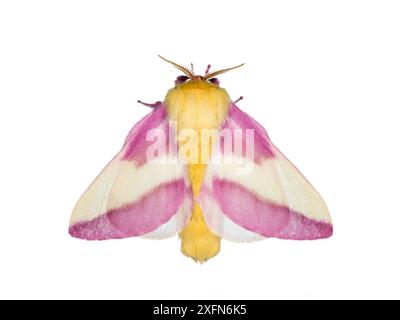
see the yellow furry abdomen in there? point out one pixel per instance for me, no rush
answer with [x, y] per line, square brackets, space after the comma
[197, 105]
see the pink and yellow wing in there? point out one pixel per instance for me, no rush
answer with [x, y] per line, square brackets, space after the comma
[268, 198]
[133, 196]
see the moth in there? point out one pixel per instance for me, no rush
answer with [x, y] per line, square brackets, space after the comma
[199, 167]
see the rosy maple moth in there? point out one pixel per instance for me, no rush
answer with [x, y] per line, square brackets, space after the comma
[200, 167]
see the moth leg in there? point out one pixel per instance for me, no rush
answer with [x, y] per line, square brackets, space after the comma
[151, 105]
[240, 98]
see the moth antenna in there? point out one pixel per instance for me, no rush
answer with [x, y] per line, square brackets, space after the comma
[151, 105]
[208, 69]
[215, 73]
[180, 67]
[240, 98]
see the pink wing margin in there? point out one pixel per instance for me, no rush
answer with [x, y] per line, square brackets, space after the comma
[132, 196]
[272, 200]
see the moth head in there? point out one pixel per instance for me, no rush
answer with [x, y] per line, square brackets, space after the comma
[189, 74]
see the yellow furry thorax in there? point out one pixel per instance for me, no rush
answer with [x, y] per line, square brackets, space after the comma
[197, 105]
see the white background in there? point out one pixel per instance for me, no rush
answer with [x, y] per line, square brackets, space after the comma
[322, 76]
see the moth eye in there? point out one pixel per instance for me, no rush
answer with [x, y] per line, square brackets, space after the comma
[181, 79]
[214, 81]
